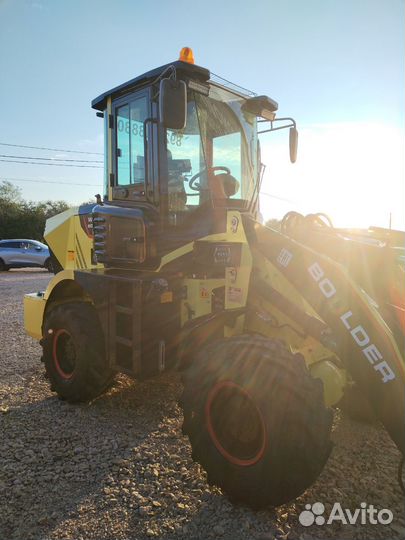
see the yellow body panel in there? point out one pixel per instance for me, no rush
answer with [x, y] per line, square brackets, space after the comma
[73, 247]
[197, 300]
[333, 379]
[60, 276]
[237, 279]
[35, 304]
[34, 307]
[69, 242]
[59, 235]
[173, 255]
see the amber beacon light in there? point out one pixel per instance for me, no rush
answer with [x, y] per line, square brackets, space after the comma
[187, 55]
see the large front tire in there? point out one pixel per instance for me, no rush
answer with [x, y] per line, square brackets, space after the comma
[256, 420]
[73, 352]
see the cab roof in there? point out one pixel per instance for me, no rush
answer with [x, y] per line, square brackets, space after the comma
[183, 70]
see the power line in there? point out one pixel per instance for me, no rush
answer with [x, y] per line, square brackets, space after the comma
[52, 164]
[276, 197]
[52, 149]
[51, 159]
[57, 182]
[54, 182]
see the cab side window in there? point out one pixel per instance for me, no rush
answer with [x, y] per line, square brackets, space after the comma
[130, 153]
[227, 151]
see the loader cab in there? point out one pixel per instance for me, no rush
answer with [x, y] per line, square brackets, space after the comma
[167, 184]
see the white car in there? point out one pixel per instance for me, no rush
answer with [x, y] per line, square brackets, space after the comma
[24, 253]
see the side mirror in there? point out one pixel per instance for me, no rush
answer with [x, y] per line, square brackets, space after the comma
[293, 144]
[173, 104]
[38, 248]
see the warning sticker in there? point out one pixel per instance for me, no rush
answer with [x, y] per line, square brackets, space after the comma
[204, 293]
[235, 294]
[284, 257]
[232, 274]
[166, 297]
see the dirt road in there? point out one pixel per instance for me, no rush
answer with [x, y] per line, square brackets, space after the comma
[119, 468]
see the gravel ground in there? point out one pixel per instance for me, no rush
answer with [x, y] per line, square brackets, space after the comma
[119, 468]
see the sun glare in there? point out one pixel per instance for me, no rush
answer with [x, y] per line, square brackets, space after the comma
[351, 171]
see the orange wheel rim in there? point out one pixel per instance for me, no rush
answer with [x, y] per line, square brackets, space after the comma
[64, 354]
[235, 424]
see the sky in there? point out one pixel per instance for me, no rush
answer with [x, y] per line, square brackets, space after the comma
[336, 66]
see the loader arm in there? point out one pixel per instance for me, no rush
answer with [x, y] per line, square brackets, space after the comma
[365, 344]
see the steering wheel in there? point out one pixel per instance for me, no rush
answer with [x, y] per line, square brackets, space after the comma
[197, 187]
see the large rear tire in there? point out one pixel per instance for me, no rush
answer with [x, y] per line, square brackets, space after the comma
[256, 420]
[73, 352]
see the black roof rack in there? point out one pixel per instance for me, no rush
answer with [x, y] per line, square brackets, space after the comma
[231, 86]
[183, 69]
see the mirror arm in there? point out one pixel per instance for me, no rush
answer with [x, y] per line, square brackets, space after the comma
[173, 75]
[291, 124]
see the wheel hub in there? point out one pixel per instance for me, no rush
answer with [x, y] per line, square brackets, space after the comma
[235, 424]
[64, 354]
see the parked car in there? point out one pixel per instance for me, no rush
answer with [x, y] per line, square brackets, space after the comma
[24, 253]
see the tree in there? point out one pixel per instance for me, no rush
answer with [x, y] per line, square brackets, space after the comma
[273, 224]
[51, 208]
[24, 219]
[10, 202]
[9, 193]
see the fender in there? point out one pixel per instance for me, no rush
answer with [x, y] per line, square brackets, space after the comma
[35, 304]
[365, 344]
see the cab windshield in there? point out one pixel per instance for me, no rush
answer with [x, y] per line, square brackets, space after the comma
[214, 158]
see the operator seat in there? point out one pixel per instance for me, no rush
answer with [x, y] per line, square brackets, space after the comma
[207, 218]
[222, 186]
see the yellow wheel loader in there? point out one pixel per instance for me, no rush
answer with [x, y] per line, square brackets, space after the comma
[172, 269]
